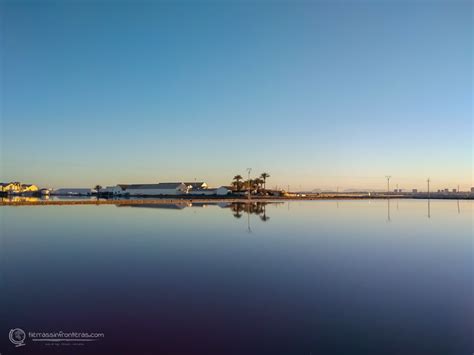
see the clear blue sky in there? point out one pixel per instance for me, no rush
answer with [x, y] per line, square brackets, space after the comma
[317, 93]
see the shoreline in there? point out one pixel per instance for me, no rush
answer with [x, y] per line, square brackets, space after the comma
[191, 199]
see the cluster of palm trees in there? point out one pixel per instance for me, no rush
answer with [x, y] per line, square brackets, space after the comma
[258, 184]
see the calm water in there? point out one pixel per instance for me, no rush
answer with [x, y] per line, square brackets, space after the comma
[326, 277]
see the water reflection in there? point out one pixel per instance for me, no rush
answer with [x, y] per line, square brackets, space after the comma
[388, 210]
[317, 279]
[238, 209]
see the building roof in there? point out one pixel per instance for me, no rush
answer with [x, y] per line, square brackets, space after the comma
[9, 183]
[163, 185]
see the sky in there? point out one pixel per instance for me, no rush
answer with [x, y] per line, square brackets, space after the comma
[319, 94]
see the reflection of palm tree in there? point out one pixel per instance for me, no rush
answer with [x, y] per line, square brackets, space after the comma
[257, 208]
[237, 214]
[264, 217]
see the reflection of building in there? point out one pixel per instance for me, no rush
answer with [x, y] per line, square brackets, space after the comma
[166, 206]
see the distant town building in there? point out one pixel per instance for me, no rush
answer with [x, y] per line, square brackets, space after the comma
[18, 188]
[72, 192]
[472, 189]
[11, 187]
[415, 191]
[164, 188]
[446, 190]
[112, 190]
[454, 190]
[29, 188]
[196, 185]
[221, 191]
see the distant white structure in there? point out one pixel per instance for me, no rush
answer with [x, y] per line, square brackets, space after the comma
[221, 191]
[196, 185]
[112, 190]
[72, 192]
[45, 192]
[164, 188]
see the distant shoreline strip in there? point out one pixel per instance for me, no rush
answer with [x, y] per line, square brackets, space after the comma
[185, 200]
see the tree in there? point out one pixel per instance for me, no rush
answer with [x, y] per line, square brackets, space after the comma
[257, 183]
[238, 182]
[264, 177]
[98, 188]
[238, 178]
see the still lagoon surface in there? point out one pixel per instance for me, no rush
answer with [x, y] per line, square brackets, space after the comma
[316, 277]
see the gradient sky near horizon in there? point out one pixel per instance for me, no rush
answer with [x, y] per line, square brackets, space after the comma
[317, 93]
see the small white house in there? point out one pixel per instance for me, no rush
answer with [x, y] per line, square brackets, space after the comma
[112, 190]
[72, 192]
[196, 185]
[164, 188]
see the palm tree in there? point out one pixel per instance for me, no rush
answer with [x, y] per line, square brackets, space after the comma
[257, 183]
[264, 177]
[98, 188]
[238, 182]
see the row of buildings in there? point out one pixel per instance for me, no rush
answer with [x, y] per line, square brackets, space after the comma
[165, 188]
[18, 188]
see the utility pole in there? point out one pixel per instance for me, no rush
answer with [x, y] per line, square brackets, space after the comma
[428, 181]
[248, 181]
[388, 183]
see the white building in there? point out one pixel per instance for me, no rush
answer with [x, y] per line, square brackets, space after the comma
[72, 192]
[196, 185]
[164, 188]
[221, 191]
[112, 190]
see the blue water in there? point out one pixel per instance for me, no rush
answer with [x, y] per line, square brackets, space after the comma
[319, 277]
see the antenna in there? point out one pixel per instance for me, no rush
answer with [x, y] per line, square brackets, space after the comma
[388, 182]
[248, 181]
[428, 181]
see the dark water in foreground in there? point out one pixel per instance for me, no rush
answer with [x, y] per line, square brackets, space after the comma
[321, 277]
